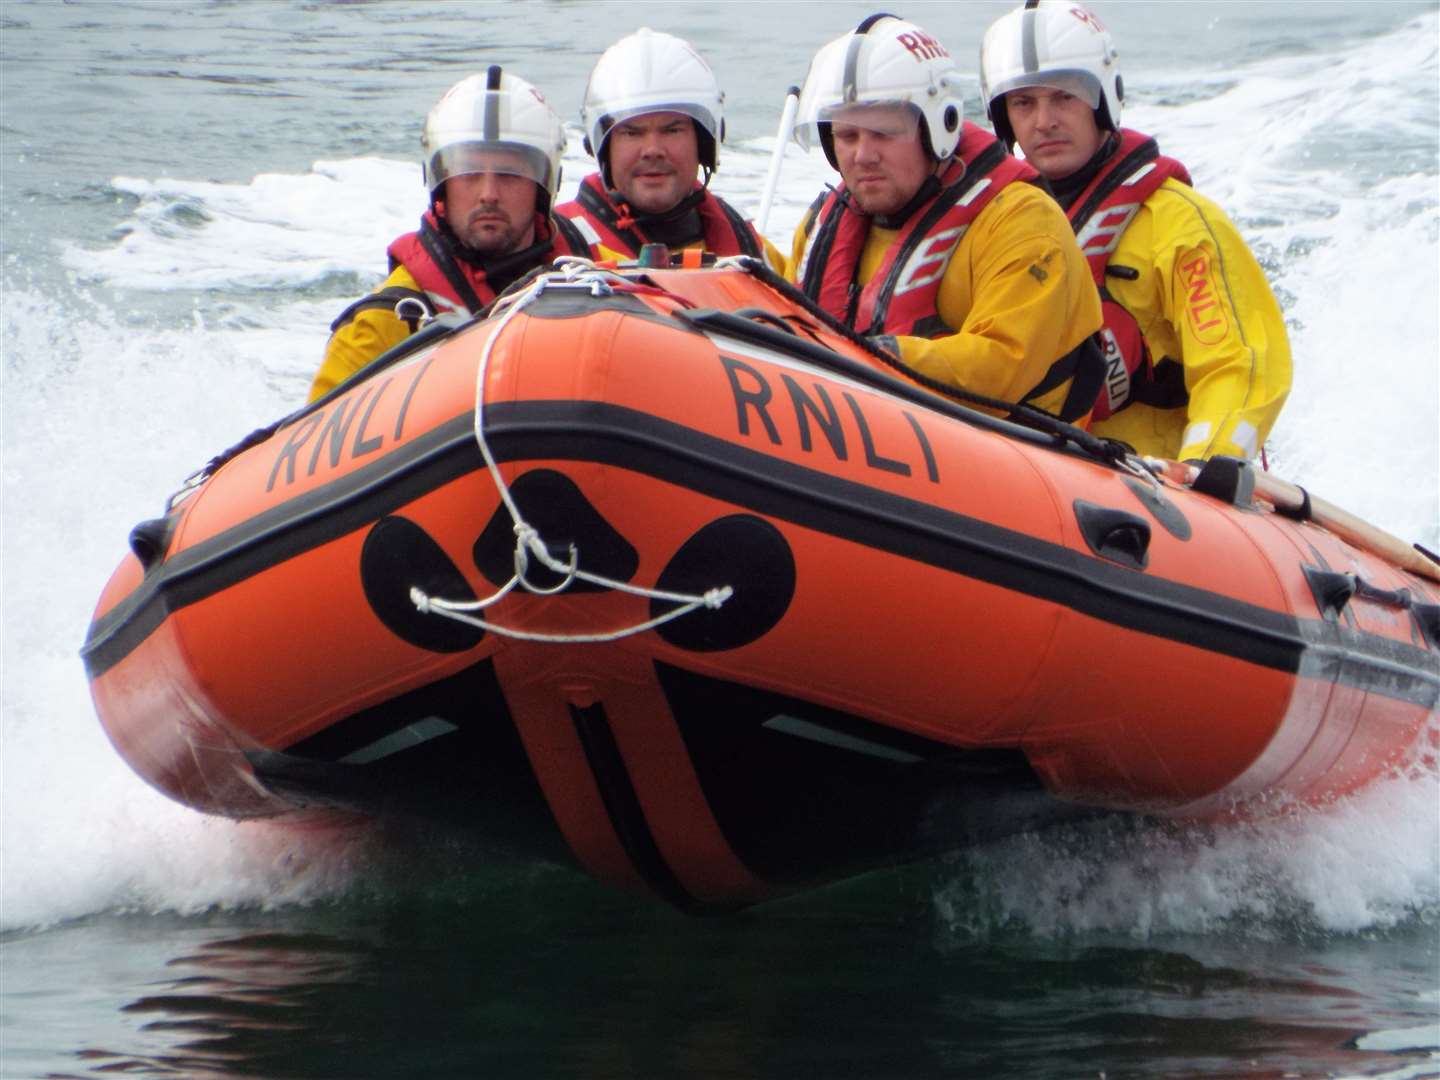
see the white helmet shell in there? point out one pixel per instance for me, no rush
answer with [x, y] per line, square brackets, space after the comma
[884, 61]
[651, 72]
[493, 112]
[1045, 43]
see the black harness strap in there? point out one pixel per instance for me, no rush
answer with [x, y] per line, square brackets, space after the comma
[387, 298]
[596, 205]
[1146, 152]
[1085, 364]
[744, 235]
[819, 246]
[439, 251]
[570, 233]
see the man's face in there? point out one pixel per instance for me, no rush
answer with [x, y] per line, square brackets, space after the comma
[653, 160]
[880, 155]
[1055, 129]
[493, 212]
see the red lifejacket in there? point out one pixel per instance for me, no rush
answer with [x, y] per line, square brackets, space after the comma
[1099, 215]
[901, 296]
[603, 222]
[455, 283]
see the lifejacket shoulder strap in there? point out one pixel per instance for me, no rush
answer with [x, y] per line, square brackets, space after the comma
[568, 239]
[1134, 153]
[745, 235]
[594, 203]
[820, 235]
[439, 253]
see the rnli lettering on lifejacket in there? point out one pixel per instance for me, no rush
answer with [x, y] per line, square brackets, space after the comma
[815, 412]
[350, 427]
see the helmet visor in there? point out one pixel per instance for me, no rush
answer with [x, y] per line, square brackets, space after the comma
[1080, 84]
[701, 115]
[898, 119]
[505, 158]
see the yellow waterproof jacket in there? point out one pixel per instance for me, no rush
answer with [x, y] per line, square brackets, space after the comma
[362, 339]
[1200, 299]
[1017, 288]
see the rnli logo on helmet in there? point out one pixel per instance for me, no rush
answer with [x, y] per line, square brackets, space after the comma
[1208, 321]
[1088, 18]
[921, 46]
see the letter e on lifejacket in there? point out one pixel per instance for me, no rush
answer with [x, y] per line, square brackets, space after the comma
[1101, 233]
[930, 260]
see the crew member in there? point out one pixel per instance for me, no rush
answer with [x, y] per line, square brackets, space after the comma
[492, 148]
[938, 244]
[653, 119]
[1198, 360]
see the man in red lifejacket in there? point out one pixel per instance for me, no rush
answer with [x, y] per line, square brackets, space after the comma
[492, 148]
[653, 120]
[938, 244]
[1198, 359]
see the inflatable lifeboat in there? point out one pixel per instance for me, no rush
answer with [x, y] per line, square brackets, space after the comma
[661, 572]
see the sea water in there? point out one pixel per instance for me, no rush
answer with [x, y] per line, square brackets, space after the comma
[190, 192]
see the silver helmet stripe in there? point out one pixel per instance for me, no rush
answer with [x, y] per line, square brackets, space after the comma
[1030, 56]
[490, 124]
[848, 88]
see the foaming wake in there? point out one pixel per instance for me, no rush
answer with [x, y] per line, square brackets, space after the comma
[1368, 862]
[102, 418]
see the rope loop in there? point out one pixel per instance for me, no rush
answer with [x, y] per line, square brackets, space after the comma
[570, 271]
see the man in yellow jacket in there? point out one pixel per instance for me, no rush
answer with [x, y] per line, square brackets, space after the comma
[492, 148]
[1198, 359]
[653, 118]
[938, 245]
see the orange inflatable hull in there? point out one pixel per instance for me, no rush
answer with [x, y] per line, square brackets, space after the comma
[940, 627]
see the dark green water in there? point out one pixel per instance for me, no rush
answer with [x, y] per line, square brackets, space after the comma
[540, 974]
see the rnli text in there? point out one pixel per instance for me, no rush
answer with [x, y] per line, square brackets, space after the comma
[815, 410]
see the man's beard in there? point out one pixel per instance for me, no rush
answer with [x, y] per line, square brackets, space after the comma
[492, 238]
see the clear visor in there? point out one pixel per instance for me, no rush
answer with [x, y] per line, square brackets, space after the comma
[1075, 83]
[701, 115]
[507, 159]
[898, 119]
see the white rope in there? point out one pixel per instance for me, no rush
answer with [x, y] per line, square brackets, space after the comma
[571, 272]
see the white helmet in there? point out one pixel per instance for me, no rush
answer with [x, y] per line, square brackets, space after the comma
[884, 61]
[1050, 43]
[494, 123]
[650, 72]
